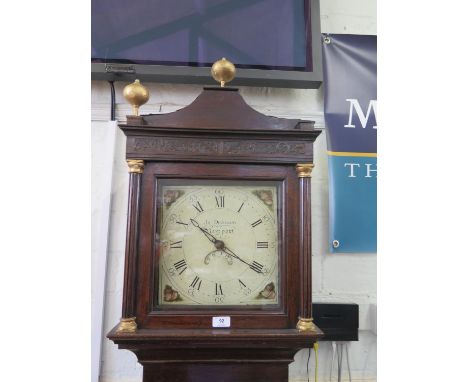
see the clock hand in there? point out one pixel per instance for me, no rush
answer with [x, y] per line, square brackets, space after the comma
[219, 244]
[206, 233]
[229, 252]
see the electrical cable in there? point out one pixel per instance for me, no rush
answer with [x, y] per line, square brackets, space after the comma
[338, 350]
[308, 358]
[340, 360]
[316, 360]
[347, 361]
[333, 359]
[111, 83]
[338, 363]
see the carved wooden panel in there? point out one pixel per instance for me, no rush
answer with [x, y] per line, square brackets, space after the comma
[215, 149]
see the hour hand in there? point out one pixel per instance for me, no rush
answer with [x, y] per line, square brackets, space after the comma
[195, 223]
[205, 232]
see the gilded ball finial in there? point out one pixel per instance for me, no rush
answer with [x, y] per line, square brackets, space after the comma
[223, 71]
[136, 95]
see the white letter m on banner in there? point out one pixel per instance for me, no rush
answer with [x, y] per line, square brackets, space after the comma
[354, 105]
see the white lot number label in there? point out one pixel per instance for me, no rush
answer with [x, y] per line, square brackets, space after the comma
[221, 322]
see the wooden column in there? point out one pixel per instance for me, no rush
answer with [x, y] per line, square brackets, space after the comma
[305, 321]
[128, 320]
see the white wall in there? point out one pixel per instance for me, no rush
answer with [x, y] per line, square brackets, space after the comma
[342, 278]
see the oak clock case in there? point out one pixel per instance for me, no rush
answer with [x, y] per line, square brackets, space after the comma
[218, 225]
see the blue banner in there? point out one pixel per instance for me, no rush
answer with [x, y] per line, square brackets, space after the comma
[350, 92]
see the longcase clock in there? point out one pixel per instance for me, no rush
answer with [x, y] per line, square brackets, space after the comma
[218, 255]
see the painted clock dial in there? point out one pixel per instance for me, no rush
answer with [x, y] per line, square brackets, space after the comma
[218, 243]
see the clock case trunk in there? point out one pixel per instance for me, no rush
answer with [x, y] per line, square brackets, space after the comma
[218, 136]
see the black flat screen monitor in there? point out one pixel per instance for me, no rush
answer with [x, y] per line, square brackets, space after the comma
[271, 42]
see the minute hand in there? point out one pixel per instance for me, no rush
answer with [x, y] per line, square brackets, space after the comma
[229, 252]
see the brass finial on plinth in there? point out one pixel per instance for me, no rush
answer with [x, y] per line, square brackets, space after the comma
[306, 325]
[136, 95]
[127, 325]
[223, 71]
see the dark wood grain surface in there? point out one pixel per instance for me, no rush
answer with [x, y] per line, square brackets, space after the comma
[305, 248]
[243, 355]
[220, 108]
[130, 271]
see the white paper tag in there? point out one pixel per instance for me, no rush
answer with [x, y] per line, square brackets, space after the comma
[222, 322]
